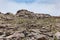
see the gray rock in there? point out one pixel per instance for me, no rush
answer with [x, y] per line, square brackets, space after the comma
[50, 34]
[39, 36]
[35, 30]
[43, 38]
[57, 35]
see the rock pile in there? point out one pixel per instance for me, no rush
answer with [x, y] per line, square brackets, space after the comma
[26, 25]
[28, 14]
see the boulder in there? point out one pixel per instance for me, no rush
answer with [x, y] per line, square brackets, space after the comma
[40, 36]
[43, 38]
[16, 35]
[57, 35]
[35, 30]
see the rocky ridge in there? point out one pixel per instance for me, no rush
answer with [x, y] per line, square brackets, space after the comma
[26, 25]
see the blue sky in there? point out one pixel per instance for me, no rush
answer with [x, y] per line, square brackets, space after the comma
[24, 1]
[31, 1]
[51, 7]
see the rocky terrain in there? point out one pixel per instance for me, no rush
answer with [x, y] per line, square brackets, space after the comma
[26, 25]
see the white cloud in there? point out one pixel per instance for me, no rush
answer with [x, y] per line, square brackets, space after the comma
[10, 6]
[57, 7]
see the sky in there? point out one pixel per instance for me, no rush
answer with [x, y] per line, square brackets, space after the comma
[51, 7]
